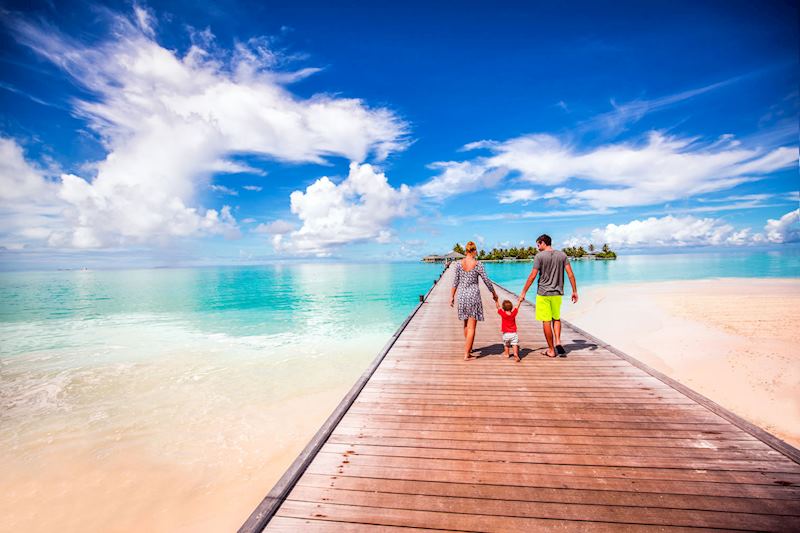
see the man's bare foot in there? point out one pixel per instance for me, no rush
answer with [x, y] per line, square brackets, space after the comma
[550, 353]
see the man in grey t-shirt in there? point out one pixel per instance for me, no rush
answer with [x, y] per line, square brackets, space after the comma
[550, 265]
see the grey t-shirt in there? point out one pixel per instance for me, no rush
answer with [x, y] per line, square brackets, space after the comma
[551, 265]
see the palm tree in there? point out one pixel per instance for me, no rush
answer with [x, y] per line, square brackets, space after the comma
[591, 247]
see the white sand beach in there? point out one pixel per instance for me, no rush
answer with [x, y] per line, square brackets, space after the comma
[732, 340]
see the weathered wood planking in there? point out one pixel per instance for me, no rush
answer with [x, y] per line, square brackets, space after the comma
[596, 441]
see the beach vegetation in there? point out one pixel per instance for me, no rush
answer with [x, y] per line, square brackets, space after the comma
[500, 254]
[579, 252]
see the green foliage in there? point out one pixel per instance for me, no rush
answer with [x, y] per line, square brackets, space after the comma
[497, 254]
[606, 255]
[458, 248]
[579, 251]
[571, 251]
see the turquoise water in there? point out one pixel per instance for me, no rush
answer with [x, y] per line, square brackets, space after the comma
[645, 268]
[78, 347]
[54, 311]
[324, 299]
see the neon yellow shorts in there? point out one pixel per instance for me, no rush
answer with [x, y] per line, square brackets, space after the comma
[548, 308]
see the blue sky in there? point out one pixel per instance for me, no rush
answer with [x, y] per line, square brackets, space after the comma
[169, 133]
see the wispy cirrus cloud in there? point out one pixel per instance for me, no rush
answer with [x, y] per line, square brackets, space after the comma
[658, 169]
[627, 113]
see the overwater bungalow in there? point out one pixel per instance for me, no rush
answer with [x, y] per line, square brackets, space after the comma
[446, 258]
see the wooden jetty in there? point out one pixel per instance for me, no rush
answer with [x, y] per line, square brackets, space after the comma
[596, 441]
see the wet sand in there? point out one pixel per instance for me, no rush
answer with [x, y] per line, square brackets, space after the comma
[185, 443]
[77, 487]
[732, 340]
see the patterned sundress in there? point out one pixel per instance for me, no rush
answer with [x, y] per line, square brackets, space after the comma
[469, 295]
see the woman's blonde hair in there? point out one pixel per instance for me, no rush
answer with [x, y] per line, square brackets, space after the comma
[470, 247]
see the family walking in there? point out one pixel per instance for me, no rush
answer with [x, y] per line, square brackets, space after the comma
[549, 265]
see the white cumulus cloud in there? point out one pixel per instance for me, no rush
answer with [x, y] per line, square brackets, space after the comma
[169, 121]
[666, 232]
[29, 205]
[784, 229]
[276, 227]
[360, 208]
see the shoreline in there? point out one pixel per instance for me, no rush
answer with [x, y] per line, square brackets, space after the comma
[729, 339]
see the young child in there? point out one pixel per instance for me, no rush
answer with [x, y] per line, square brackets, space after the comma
[508, 314]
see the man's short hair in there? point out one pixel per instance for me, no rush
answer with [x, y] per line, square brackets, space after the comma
[545, 238]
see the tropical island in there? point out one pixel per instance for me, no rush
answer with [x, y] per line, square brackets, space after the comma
[522, 254]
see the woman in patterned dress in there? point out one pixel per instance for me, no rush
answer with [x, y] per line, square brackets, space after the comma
[470, 309]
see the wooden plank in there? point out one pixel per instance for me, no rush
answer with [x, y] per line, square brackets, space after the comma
[596, 442]
[554, 422]
[453, 521]
[612, 514]
[330, 465]
[523, 444]
[424, 448]
[789, 508]
[386, 422]
[457, 460]
[293, 525]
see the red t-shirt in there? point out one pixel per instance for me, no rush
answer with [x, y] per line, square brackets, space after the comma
[509, 324]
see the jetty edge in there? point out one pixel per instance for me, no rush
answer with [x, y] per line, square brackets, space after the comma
[591, 443]
[259, 518]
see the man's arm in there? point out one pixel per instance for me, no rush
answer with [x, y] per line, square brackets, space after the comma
[528, 283]
[572, 282]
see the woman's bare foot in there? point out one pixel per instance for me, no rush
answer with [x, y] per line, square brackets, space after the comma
[550, 353]
[517, 359]
[469, 357]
